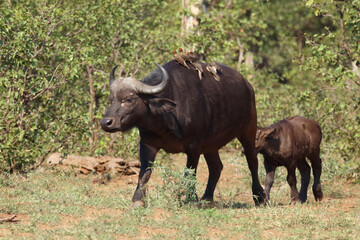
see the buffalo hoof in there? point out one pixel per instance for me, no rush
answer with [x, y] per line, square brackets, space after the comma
[295, 201]
[204, 204]
[319, 197]
[259, 201]
[138, 204]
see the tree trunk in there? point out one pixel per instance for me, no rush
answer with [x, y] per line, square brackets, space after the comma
[189, 22]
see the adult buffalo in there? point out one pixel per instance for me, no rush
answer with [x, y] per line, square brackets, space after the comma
[176, 111]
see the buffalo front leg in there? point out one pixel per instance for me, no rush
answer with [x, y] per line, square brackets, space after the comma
[193, 156]
[269, 181]
[215, 166]
[147, 157]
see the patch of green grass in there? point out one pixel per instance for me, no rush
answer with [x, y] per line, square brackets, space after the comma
[57, 205]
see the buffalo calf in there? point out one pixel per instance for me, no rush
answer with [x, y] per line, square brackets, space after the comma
[288, 143]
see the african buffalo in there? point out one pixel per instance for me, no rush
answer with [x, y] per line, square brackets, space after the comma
[176, 111]
[288, 143]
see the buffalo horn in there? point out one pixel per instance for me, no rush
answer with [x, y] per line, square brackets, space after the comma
[112, 75]
[146, 89]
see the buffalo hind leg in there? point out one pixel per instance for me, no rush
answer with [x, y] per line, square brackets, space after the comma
[215, 167]
[291, 179]
[147, 156]
[251, 157]
[270, 172]
[317, 168]
[304, 169]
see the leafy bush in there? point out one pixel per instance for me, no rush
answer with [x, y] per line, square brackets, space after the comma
[178, 186]
[302, 58]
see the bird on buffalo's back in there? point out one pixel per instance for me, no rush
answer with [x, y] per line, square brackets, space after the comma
[183, 55]
[192, 57]
[213, 68]
[179, 59]
[199, 68]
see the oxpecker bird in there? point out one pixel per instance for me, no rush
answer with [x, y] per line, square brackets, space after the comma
[183, 55]
[199, 68]
[213, 68]
[192, 57]
[179, 59]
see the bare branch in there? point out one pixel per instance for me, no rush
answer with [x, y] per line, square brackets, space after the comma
[100, 71]
[241, 53]
[57, 24]
[323, 89]
[9, 219]
[91, 106]
[7, 103]
[75, 33]
[37, 52]
[46, 88]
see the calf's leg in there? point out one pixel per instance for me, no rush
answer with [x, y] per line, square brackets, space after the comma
[317, 168]
[304, 169]
[291, 179]
[270, 172]
[215, 166]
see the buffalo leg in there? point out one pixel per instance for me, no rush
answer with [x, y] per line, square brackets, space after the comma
[270, 172]
[250, 153]
[215, 166]
[291, 179]
[192, 163]
[317, 168]
[147, 156]
[304, 169]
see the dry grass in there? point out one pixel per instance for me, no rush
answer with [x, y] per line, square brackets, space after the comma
[52, 204]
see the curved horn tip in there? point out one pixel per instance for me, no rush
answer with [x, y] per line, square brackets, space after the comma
[112, 74]
[113, 69]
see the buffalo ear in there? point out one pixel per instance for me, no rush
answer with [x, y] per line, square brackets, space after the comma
[165, 108]
[161, 105]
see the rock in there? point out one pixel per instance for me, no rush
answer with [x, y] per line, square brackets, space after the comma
[86, 165]
[54, 159]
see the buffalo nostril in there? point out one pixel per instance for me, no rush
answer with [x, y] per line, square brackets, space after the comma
[106, 122]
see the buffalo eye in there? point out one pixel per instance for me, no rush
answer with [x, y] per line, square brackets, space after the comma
[128, 100]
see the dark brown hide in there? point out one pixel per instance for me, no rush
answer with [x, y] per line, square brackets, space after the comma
[288, 143]
[190, 115]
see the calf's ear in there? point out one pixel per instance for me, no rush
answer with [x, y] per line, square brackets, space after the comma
[270, 133]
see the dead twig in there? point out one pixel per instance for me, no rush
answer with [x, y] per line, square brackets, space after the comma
[9, 219]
